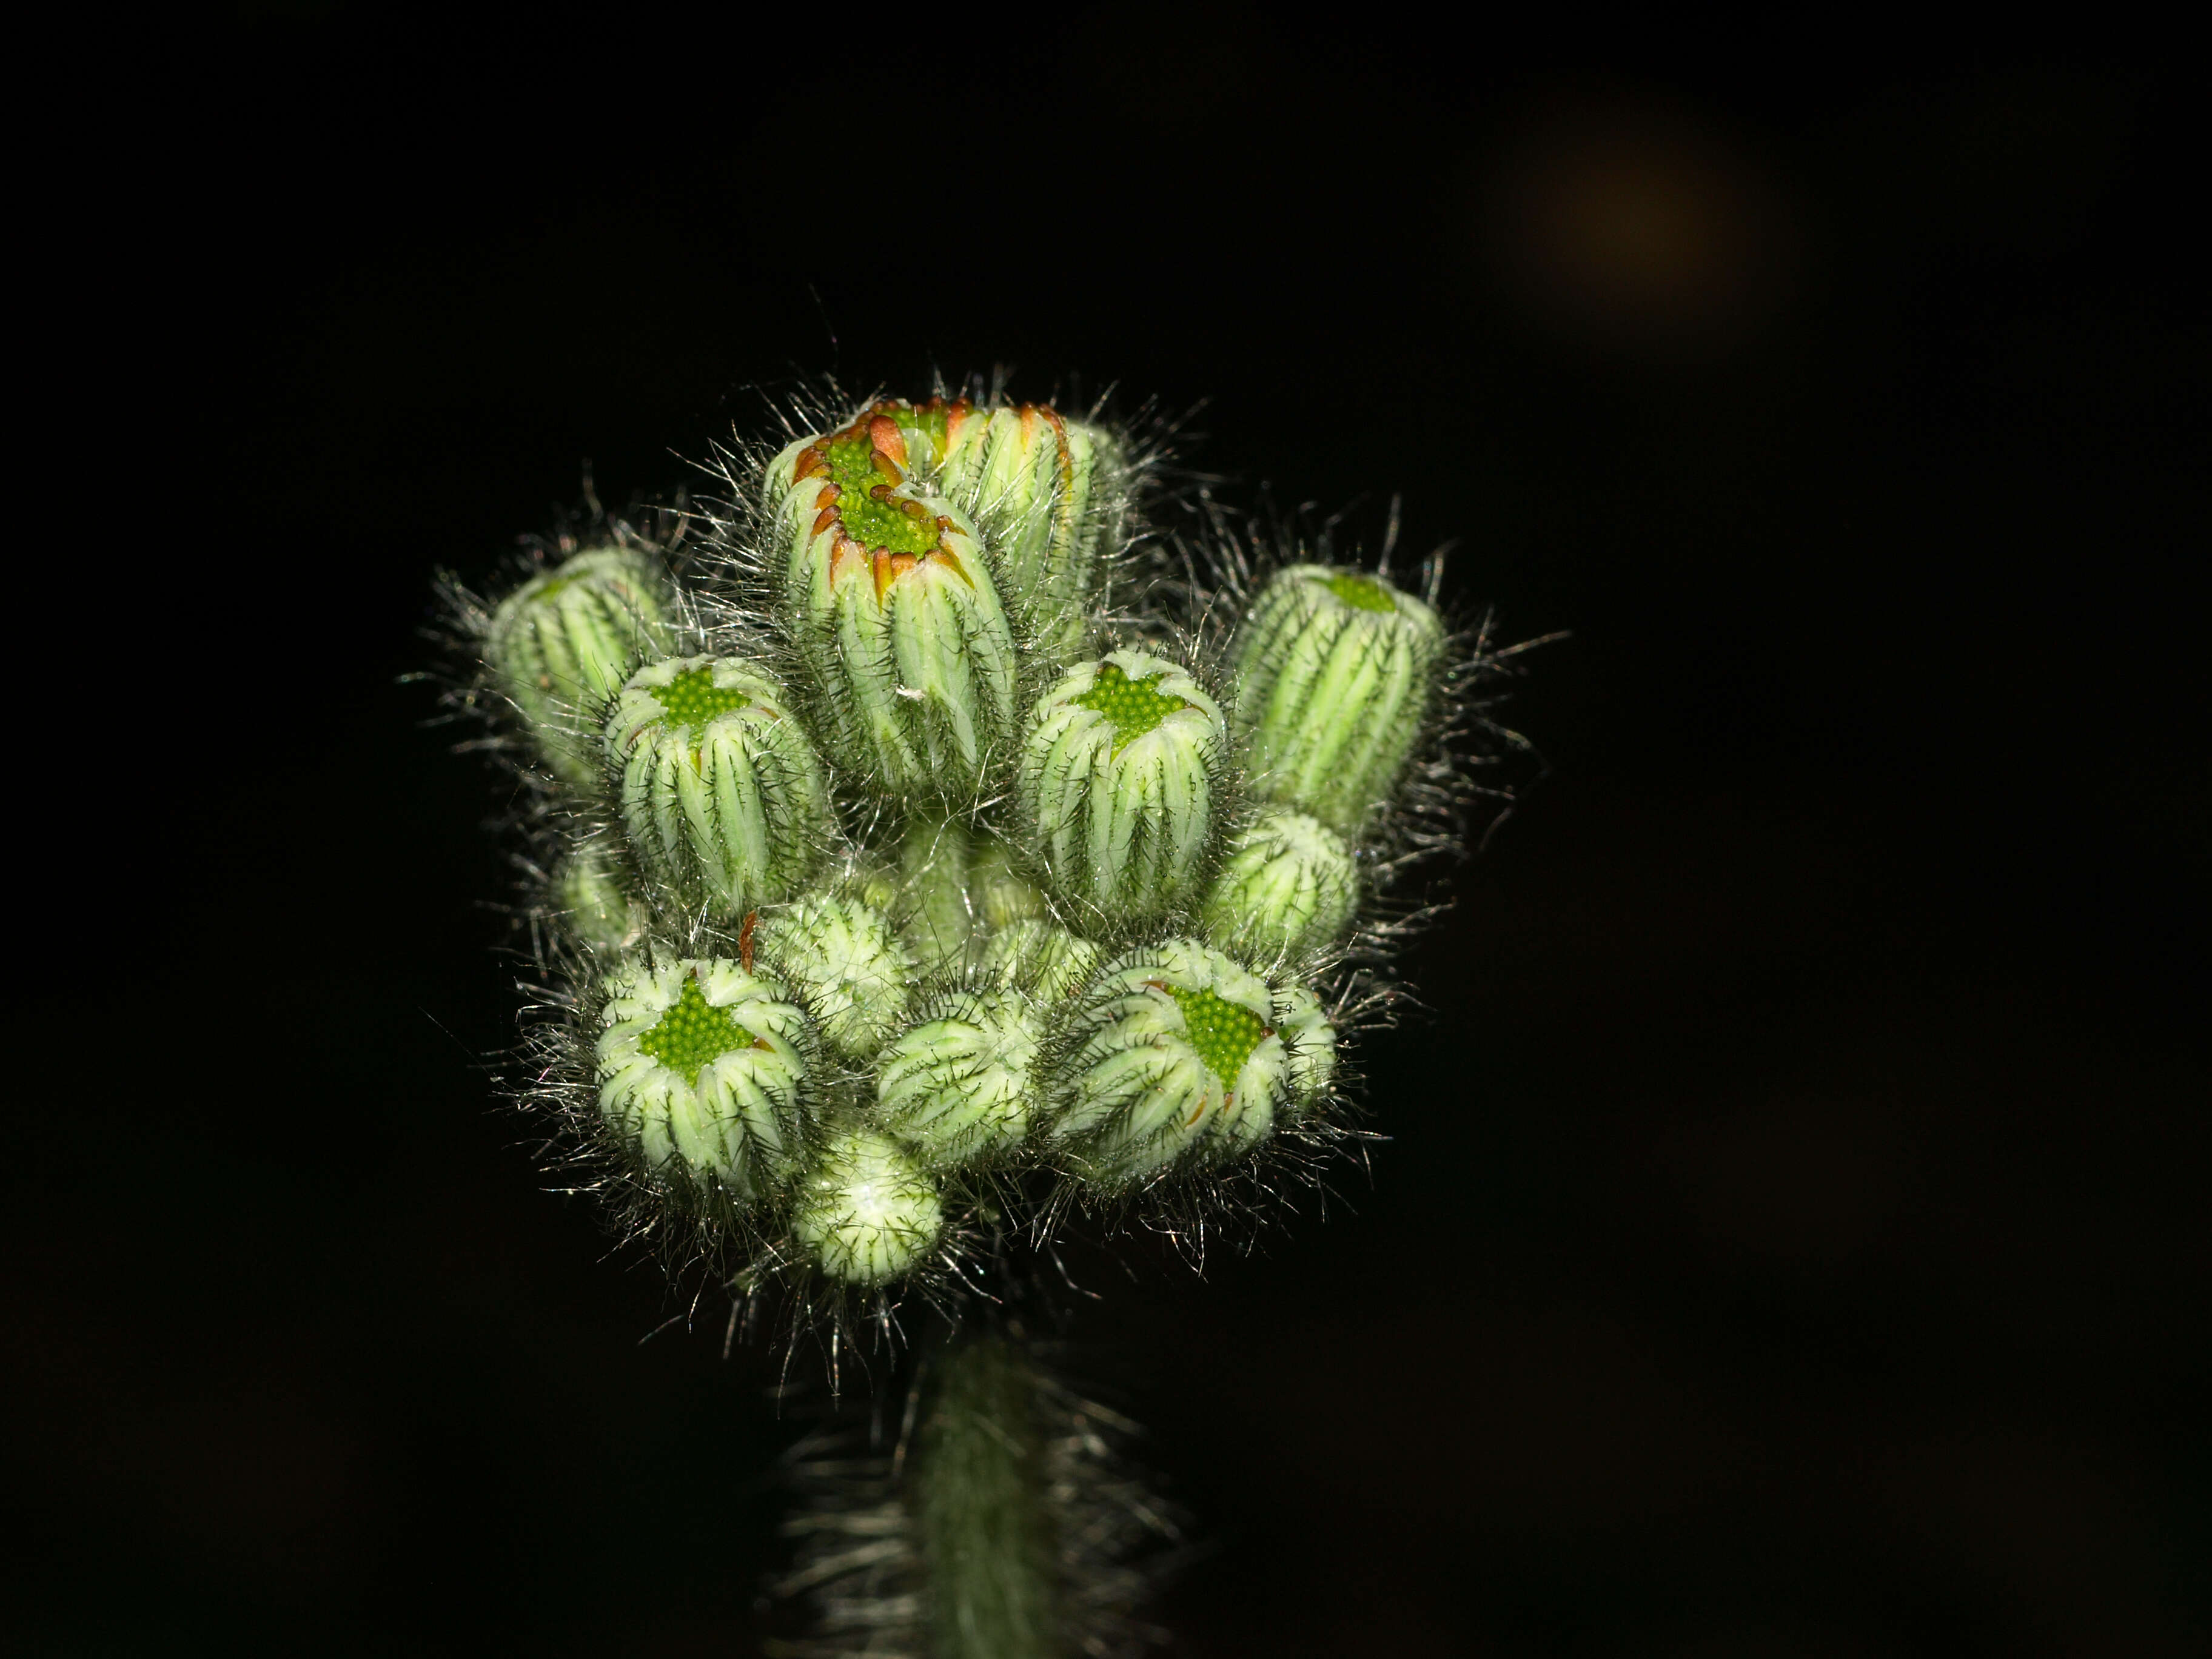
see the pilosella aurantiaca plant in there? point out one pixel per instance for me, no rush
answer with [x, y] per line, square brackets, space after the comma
[936, 856]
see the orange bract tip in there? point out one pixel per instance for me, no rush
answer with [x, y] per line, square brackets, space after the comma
[883, 433]
[946, 557]
[809, 463]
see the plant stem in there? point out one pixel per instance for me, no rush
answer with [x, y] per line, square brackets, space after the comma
[979, 1506]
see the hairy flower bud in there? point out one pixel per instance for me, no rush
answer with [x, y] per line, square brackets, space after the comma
[1177, 1060]
[1037, 956]
[840, 957]
[1286, 890]
[722, 793]
[866, 1212]
[1117, 776]
[1334, 672]
[590, 896]
[956, 1086]
[702, 1062]
[560, 644]
[1043, 489]
[998, 895]
[895, 612]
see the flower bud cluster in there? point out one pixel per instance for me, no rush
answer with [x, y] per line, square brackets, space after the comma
[918, 892]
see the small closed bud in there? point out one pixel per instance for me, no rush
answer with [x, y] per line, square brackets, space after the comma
[956, 1087]
[1310, 1040]
[1177, 1060]
[722, 793]
[842, 958]
[1118, 777]
[702, 1062]
[592, 899]
[1043, 489]
[559, 645]
[1334, 672]
[1037, 956]
[866, 1212]
[1286, 890]
[897, 614]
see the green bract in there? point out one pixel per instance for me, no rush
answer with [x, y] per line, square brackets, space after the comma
[1118, 780]
[1286, 890]
[560, 644]
[866, 1212]
[841, 956]
[1177, 1060]
[1334, 672]
[722, 793]
[956, 1086]
[1310, 1040]
[702, 1062]
[891, 598]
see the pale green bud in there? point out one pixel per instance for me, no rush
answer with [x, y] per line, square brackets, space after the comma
[1042, 488]
[840, 957]
[868, 1212]
[702, 1062]
[559, 645]
[1286, 890]
[1038, 957]
[1334, 672]
[1118, 777]
[593, 899]
[897, 614]
[1177, 1060]
[957, 1086]
[722, 793]
[1310, 1040]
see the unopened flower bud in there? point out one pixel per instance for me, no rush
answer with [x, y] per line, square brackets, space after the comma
[593, 899]
[722, 793]
[897, 613]
[840, 957]
[956, 1087]
[702, 1062]
[1177, 1060]
[559, 645]
[868, 1212]
[1042, 489]
[1037, 956]
[1309, 1041]
[1117, 776]
[1286, 890]
[1334, 672]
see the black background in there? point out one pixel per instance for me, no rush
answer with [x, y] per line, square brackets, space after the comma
[1791, 1241]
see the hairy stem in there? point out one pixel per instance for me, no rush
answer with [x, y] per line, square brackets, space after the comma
[979, 1506]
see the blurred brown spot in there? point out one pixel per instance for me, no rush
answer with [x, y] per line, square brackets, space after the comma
[1628, 224]
[1804, 1179]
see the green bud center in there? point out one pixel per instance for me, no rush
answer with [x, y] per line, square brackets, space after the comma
[692, 698]
[1224, 1033]
[693, 1032]
[871, 522]
[1133, 708]
[1361, 592]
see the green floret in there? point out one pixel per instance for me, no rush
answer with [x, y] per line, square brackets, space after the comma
[693, 1033]
[874, 524]
[1361, 592]
[1224, 1033]
[692, 698]
[1131, 707]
